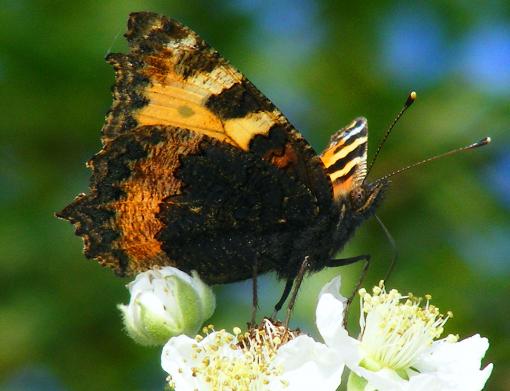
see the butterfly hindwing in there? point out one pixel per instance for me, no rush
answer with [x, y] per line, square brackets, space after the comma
[169, 196]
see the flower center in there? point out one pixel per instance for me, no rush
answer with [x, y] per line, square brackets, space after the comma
[395, 329]
[242, 361]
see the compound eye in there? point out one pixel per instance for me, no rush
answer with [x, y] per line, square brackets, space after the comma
[358, 196]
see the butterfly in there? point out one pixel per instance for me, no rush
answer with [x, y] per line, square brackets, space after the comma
[199, 170]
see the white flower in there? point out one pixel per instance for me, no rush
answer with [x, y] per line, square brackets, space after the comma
[397, 347]
[166, 302]
[269, 357]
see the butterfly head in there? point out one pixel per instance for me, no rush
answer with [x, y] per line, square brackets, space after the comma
[363, 199]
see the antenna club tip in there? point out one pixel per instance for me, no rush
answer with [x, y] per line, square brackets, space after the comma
[482, 142]
[411, 98]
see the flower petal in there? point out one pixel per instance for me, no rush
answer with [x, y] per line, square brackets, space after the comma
[308, 365]
[382, 380]
[466, 354]
[456, 365]
[177, 360]
[330, 311]
[329, 318]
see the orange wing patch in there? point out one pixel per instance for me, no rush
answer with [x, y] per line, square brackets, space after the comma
[172, 77]
[131, 177]
[152, 179]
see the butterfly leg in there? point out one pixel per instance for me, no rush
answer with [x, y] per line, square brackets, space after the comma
[349, 261]
[255, 295]
[299, 279]
[285, 294]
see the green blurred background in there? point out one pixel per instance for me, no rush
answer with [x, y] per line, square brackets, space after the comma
[323, 63]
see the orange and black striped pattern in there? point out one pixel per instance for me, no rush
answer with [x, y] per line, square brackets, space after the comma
[345, 158]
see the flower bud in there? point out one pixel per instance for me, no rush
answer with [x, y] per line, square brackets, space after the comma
[166, 302]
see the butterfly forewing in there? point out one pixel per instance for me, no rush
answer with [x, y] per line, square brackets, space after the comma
[345, 158]
[172, 77]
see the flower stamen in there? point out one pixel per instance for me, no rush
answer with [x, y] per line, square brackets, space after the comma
[240, 361]
[397, 328]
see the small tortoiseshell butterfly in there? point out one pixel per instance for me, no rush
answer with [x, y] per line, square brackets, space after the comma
[201, 171]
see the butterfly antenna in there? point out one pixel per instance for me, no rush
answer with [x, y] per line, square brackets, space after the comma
[113, 43]
[478, 144]
[409, 101]
[394, 249]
